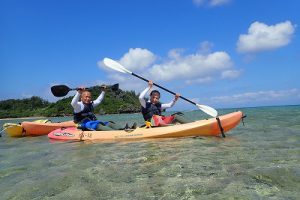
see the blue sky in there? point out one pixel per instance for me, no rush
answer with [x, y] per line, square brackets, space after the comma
[221, 53]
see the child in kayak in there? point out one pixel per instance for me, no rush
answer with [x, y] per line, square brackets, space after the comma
[152, 109]
[83, 111]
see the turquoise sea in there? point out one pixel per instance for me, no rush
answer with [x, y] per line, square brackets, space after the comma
[260, 160]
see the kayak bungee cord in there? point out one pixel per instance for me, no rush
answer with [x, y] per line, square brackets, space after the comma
[220, 126]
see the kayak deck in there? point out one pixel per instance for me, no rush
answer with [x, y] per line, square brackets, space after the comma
[207, 127]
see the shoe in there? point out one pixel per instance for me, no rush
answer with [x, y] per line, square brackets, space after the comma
[134, 125]
[126, 126]
[80, 126]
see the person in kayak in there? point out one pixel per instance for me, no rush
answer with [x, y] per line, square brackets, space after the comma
[152, 109]
[84, 111]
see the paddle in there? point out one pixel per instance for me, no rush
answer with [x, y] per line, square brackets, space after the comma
[118, 67]
[63, 90]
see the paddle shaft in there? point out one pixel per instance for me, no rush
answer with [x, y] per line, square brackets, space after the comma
[163, 88]
[118, 67]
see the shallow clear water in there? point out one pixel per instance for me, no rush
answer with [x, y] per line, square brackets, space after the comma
[257, 161]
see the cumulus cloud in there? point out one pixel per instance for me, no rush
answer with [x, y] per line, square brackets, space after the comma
[199, 80]
[191, 66]
[259, 97]
[211, 3]
[206, 47]
[127, 82]
[230, 74]
[261, 37]
[137, 59]
[190, 69]
[175, 53]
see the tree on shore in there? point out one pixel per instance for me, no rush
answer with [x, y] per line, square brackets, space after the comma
[114, 102]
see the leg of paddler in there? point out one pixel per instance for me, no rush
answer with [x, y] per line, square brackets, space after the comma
[180, 119]
[101, 127]
[115, 126]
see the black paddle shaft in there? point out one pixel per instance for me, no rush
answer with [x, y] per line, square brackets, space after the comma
[163, 88]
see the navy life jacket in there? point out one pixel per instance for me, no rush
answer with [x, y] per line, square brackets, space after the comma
[86, 113]
[150, 110]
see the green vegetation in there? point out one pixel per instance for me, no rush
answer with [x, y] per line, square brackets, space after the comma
[114, 102]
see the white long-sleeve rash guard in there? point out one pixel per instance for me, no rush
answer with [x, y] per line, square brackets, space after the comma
[143, 101]
[78, 105]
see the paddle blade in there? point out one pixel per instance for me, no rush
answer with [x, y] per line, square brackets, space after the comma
[60, 90]
[115, 65]
[208, 110]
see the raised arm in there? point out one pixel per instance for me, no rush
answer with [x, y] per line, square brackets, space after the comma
[172, 103]
[101, 96]
[99, 99]
[75, 103]
[142, 96]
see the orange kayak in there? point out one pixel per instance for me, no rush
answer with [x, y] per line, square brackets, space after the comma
[37, 128]
[207, 127]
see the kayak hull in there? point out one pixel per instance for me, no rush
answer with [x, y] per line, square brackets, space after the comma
[208, 127]
[13, 130]
[36, 128]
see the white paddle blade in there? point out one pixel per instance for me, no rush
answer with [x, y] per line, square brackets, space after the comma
[208, 110]
[115, 65]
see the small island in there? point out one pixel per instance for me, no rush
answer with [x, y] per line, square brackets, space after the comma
[115, 102]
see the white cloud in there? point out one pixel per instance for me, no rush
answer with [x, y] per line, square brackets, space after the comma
[127, 82]
[137, 59]
[211, 3]
[191, 66]
[190, 69]
[261, 37]
[175, 53]
[206, 47]
[199, 80]
[259, 97]
[218, 2]
[230, 74]
[118, 77]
